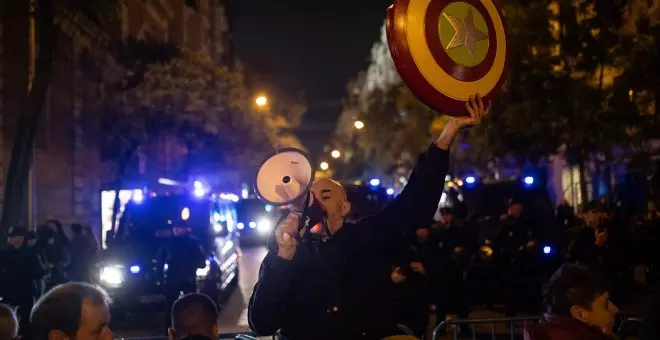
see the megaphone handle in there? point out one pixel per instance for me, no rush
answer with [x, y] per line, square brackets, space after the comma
[304, 219]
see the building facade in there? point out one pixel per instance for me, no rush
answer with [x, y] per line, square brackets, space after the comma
[67, 170]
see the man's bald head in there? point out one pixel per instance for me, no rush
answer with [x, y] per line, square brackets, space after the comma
[325, 184]
[332, 196]
[194, 314]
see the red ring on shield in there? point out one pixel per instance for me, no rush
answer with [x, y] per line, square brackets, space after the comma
[483, 77]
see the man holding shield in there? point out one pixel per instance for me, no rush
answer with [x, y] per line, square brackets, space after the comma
[337, 289]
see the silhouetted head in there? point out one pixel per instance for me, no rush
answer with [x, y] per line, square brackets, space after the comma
[194, 314]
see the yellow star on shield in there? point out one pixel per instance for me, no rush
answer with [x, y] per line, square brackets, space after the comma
[465, 32]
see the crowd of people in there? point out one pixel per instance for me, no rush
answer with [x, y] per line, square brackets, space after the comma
[360, 280]
[35, 262]
[456, 263]
[81, 311]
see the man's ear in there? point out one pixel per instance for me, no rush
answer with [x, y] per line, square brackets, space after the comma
[345, 208]
[216, 330]
[57, 335]
[577, 313]
[170, 334]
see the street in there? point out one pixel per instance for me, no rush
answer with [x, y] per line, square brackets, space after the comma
[233, 315]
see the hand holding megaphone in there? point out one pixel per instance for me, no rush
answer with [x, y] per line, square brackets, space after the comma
[286, 238]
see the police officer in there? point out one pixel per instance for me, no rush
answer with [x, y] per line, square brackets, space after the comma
[411, 278]
[514, 253]
[452, 250]
[185, 256]
[19, 271]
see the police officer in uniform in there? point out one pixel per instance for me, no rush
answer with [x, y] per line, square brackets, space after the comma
[185, 256]
[20, 269]
[514, 253]
[452, 250]
[412, 284]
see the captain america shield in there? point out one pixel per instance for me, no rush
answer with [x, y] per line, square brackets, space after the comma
[446, 51]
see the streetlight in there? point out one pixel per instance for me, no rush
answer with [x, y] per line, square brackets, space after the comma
[325, 166]
[335, 154]
[261, 101]
[359, 124]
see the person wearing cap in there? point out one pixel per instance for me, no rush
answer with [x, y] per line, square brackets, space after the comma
[452, 247]
[19, 270]
[514, 247]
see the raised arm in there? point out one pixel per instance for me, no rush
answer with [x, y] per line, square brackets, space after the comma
[418, 201]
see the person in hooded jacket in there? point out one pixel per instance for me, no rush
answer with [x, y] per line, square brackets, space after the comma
[577, 307]
[19, 269]
[336, 287]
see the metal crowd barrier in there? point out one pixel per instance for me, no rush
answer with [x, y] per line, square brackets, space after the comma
[226, 336]
[508, 327]
[473, 323]
[512, 330]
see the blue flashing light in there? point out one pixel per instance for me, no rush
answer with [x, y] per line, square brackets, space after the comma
[135, 269]
[390, 191]
[217, 217]
[529, 180]
[547, 250]
[240, 225]
[374, 182]
[470, 180]
[268, 208]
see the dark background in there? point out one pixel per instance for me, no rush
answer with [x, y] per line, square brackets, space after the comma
[310, 46]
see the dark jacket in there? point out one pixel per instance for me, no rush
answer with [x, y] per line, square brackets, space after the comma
[185, 256]
[195, 337]
[585, 250]
[650, 327]
[338, 289]
[556, 327]
[19, 269]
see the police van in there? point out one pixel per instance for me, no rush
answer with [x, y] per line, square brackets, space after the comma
[134, 264]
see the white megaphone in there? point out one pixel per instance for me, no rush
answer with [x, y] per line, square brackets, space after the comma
[284, 180]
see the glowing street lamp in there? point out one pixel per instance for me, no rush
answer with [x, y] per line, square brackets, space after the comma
[325, 166]
[335, 154]
[261, 101]
[359, 124]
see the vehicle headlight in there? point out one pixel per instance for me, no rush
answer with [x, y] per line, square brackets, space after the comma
[203, 272]
[112, 275]
[264, 226]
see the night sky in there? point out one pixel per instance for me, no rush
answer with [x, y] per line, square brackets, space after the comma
[311, 46]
